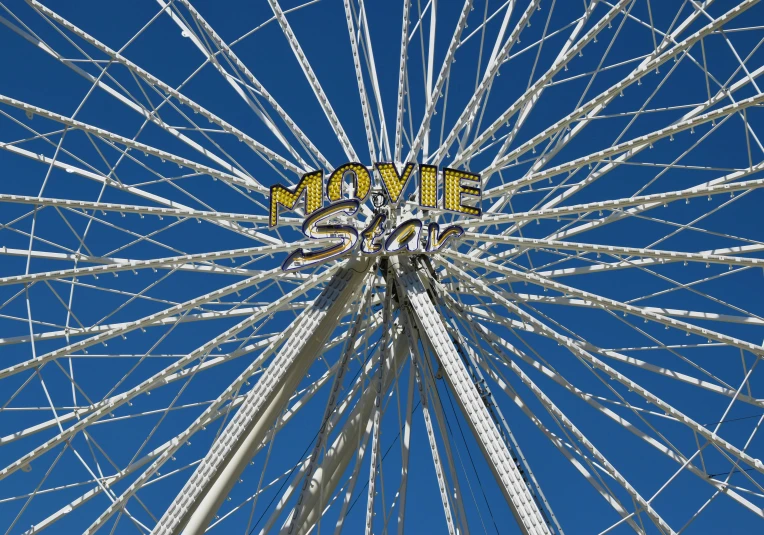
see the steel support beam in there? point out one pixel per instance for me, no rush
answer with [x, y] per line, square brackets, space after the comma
[328, 475]
[204, 492]
[522, 504]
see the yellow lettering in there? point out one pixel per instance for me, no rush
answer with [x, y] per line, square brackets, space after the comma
[394, 183]
[453, 191]
[310, 183]
[361, 180]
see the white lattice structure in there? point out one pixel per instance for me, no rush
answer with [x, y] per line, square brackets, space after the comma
[529, 301]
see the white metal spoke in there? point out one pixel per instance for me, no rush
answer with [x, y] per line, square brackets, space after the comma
[597, 364]
[418, 363]
[648, 396]
[169, 90]
[596, 104]
[492, 71]
[313, 81]
[110, 136]
[298, 133]
[605, 155]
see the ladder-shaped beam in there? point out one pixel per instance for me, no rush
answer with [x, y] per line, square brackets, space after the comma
[522, 504]
[204, 492]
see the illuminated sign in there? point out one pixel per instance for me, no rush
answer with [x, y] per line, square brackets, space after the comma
[384, 230]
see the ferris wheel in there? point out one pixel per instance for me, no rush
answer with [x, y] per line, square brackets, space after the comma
[431, 266]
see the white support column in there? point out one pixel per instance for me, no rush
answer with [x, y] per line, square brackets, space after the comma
[201, 496]
[406, 454]
[328, 475]
[516, 493]
[375, 464]
[418, 370]
[323, 432]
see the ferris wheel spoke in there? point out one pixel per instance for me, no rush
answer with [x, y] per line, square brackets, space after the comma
[507, 7]
[97, 176]
[306, 394]
[591, 474]
[719, 185]
[740, 61]
[384, 135]
[313, 81]
[231, 390]
[92, 329]
[351, 440]
[186, 262]
[310, 470]
[716, 385]
[567, 426]
[485, 363]
[606, 154]
[661, 255]
[528, 99]
[137, 237]
[137, 324]
[209, 418]
[201, 423]
[168, 90]
[672, 453]
[205, 215]
[409, 408]
[706, 316]
[434, 93]
[286, 367]
[205, 44]
[317, 484]
[597, 364]
[605, 266]
[725, 389]
[744, 314]
[541, 42]
[133, 104]
[365, 108]
[700, 448]
[563, 447]
[584, 112]
[691, 225]
[109, 405]
[421, 374]
[744, 317]
[350, 345]
[239, 86]
[596, 174]
[468, 114]
[455, 313]
[402, 75]
[607, 303]
[595, 265]
[110, 137]
[534, 91]
[559, 139]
